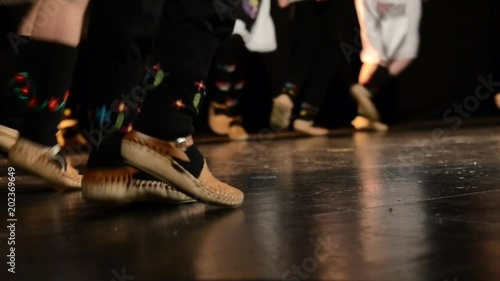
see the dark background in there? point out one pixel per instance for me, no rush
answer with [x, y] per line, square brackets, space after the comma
[453, 54]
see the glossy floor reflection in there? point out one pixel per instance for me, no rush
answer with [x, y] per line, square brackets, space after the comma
[413, 206]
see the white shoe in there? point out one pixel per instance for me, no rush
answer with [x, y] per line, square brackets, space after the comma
[307, 127]
[282, 111]
[8, 138]
[362, 123]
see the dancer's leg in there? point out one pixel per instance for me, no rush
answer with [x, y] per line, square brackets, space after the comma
[236, 130]
[161, 143]
[226, 64]
[46, 67]
[121, 44]
[16, 24]
[307, 34]
[387, 49]
[322, 72]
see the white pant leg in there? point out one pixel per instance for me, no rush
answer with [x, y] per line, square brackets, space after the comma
[389, 29]
[371, 40]
[410, 45]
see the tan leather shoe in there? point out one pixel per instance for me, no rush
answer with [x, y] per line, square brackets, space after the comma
[119, 185]
[362, 123]
[237, 133]
[157, 158]
[8, 138]
[219, 123]
[497, 100]
[46, 163]
[307, 127]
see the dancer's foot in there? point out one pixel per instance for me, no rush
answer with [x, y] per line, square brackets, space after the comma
[218, 120]
[8, 138]
[236, 131]
[366, 107]
[108, 179]
[362, 123]
[282, 111]
[46, 162]
[127, 184]
[181, 164]
[307, 127]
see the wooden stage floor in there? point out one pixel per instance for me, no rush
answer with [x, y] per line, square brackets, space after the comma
[407, 205]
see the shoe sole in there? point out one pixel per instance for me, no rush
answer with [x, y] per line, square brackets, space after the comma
[310, 133]
[102, 188]
[159, 165]
[365, 103]
[280, 116]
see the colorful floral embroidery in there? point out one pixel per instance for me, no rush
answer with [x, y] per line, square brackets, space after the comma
[307, 110]
[201, 86]
[179, 104]
[67, 112]
[231, 102]
[223, 86]
[289, 89]
[25, 91]
[197, 100]
[198, 97]
[304, 108]
[226, 67]
[239, 85]
[122, 110]
[102, 115]
[156, 75]
[126, 129]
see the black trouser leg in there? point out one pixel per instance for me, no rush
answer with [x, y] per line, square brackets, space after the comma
[306, 31]
[10, 45]
[226, 63]
[324, 61]
[190, 32]
[115, 50]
